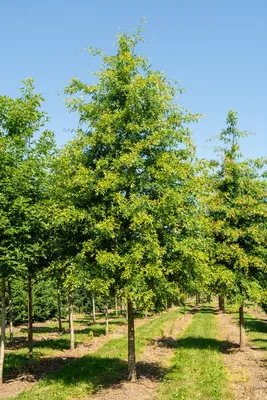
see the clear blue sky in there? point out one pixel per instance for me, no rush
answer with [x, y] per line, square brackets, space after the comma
[216, 48]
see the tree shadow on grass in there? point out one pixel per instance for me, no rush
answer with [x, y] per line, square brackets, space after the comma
[255, 325]
[42, 329]
[199, 343]
[101, 372]
[95, 372]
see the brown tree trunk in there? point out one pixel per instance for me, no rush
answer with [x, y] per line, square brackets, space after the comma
[126, 311]
[106, 316]
[10, 309]
[3, 329]
[242, 328]
[131, 343]
[116, 306]
[30, 334]
[197, 299]
[222, 303]
[93, 306]
[72, 343]
[59, 309]
[121, 310]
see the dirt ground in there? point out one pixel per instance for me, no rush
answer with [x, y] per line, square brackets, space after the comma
[152, 366]
[247, 370]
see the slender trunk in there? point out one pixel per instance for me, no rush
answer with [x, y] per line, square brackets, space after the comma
[222, 304]
[3, 329]
[116, 306]
[30, 335]
[59, 309]
[93, 307]
[131, 343]
[106, 316]
[242, 328]
[126, 311]
[72, 344]
[197, 299]
[166, 305]
[121, 310]
[10, 309]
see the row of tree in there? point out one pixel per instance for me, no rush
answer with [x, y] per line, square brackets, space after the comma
[126, 209]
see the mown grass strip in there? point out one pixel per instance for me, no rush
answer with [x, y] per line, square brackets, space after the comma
[197, 371]
[84, 376]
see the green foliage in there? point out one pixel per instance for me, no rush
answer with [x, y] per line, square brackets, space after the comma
[237, 208]
[44, 300]
[130, 173]
[24, 182]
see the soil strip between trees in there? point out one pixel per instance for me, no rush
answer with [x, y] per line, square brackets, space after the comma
[246, 370]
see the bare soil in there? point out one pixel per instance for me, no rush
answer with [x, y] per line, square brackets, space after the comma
[247, 370]
[152, 366]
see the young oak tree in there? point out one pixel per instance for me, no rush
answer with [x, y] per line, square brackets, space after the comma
[24, 187]
[238, 212]
[137, 152]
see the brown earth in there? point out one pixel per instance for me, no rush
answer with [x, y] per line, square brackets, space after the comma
[247, 370]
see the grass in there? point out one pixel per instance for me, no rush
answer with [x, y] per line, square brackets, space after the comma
[84, 376]
[256, 330]
[197, 371]
[51, 346]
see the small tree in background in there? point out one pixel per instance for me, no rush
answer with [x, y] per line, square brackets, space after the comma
[238, 212]
[24, 181]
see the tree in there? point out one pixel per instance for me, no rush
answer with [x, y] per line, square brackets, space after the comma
[238, 212]
[133, 166]
[24, 181]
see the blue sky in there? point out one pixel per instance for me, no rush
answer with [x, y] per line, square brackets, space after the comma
[217, 49]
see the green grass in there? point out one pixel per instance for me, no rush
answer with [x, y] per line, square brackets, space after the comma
[256, 330]
[197, 371]
[84, 376]
[51, 346]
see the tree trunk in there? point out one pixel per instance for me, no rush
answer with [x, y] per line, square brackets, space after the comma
[72, 344]
[116, 306]
[242, 328]
[197, 299]
[126, 311]
[59, 309]
[93, 305]
[30, 335]
[121, 310]
[3, 328]
[10, 309]
[222, 304]
[106, 316]
[131, 343]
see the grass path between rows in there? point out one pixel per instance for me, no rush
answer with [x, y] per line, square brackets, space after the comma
[81, 378]
[197, 371]
[256, 330]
